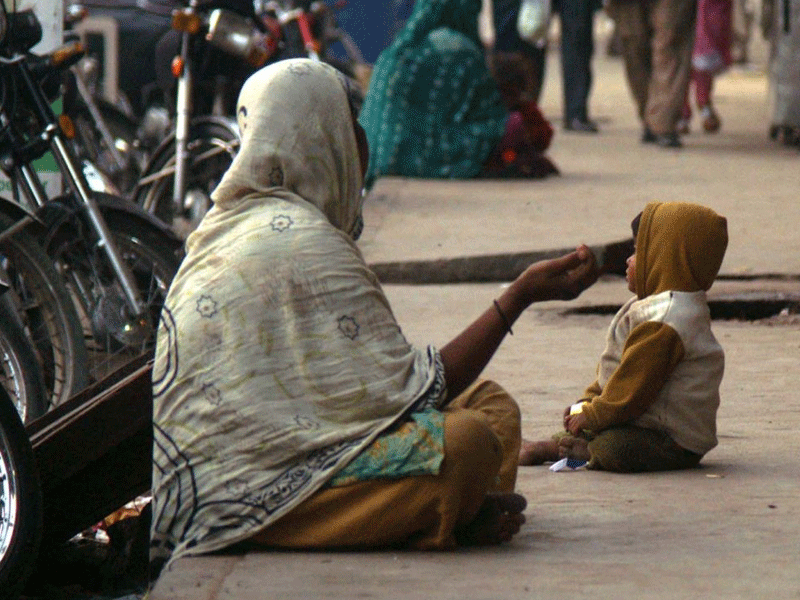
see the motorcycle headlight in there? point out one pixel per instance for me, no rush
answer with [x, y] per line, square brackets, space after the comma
[236, 35]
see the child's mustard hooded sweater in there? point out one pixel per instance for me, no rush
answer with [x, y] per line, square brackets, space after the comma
[662, 366]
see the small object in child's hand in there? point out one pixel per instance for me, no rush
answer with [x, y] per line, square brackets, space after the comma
[567, 463]
[576, 408]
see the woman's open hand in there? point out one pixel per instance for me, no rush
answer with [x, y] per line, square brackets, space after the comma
[557, 279]
[562, 278]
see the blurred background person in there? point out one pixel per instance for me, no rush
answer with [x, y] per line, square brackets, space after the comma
[577, 49]
[657, 37]
[433, 108]
[507, 40]
[710, 57]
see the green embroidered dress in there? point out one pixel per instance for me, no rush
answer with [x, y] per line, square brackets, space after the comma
[433, 109]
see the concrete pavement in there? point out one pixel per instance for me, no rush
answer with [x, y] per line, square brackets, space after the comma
[729, 529]
[606, 179]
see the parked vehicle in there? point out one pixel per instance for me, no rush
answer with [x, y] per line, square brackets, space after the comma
[201, 65]
[43, 304]
[216, 46]
[20, 373]
[20, 503]
[310, 29]
[115, 260]
[105, 136]
[108, 137]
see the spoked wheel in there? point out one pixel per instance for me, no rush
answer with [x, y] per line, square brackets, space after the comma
[20, 371]
[20, 503]
[113, 336]
[47, 313]
[211, 147]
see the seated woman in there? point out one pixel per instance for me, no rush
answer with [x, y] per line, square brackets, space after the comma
[289, 409]
[433, 108]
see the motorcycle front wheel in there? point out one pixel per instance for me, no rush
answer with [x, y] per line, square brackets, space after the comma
[211, 148]
[20, 372]
[152, 255]
[48, 315]
[20, 503]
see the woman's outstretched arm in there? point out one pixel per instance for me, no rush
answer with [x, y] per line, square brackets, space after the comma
[562, 278]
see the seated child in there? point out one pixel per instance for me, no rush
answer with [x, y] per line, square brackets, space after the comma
[528, 134]
[653, 406]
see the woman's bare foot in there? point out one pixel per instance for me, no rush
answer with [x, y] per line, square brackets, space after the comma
[574, 447]
[538, 453]
[498, 520]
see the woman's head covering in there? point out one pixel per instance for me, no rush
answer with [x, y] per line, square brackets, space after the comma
[297, 139]
[458, 15]
[278, 358]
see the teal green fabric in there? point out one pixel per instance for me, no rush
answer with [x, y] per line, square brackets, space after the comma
[415, 447]
[433, 109]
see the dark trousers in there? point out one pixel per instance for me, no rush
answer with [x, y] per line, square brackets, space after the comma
[507, 40]
[577, 48]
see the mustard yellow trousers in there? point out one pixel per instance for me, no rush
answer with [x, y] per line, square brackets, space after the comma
[481, 444]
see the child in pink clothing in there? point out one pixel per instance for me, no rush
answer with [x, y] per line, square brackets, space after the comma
[710, 57]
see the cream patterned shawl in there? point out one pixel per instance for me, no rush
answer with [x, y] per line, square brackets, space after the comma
[278, 357]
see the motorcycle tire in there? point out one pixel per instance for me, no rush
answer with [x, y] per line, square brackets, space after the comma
[20, 372]
[212, 147]
[20, 503]
[153, 257]
[47, 313]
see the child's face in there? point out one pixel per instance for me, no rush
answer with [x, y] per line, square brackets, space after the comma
[630, 272]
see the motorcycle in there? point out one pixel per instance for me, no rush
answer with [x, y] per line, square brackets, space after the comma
[310, 29]
[44, 306]
[217, 48]
[22, 398]
[115, 260]
[210, 52]
[20, 372]
[110, 139]
[105, 135]
[20, 503]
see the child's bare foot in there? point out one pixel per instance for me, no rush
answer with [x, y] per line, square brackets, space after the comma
[538, 453]
[498, 520]
[574, 447]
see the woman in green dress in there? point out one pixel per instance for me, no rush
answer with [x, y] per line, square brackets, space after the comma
[433, 108]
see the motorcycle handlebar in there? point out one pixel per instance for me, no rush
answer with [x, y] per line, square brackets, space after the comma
[60, 59]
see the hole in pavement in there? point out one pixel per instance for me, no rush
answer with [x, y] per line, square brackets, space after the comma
[751, 306]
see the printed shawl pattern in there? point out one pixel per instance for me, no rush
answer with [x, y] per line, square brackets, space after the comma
[278, 357]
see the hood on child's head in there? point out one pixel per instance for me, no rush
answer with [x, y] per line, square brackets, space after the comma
[680, 247]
